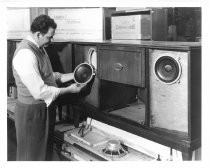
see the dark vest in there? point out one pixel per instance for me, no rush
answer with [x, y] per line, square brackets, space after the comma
[44, 67]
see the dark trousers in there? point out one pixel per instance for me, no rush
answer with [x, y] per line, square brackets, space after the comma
[34, 131]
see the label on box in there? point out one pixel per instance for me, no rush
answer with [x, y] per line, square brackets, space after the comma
[131, 27]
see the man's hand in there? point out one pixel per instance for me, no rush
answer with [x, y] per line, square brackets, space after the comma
[75, 87]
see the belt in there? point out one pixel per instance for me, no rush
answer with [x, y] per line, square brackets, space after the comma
[29, 100]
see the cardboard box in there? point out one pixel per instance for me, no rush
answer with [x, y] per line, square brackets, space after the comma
[137, 26]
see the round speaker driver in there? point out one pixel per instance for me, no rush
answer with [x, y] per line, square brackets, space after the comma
[83, 73]
[167, 69]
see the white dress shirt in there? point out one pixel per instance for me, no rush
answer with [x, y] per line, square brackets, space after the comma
[26, 66]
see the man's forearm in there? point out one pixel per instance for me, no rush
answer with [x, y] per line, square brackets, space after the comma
[66, 77]
[64, 91]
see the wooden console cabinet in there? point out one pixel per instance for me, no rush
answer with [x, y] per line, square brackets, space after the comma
[148, 88]
[167, 76]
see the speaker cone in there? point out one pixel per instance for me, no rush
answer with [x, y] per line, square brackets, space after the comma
[167, 69]
[83, 73]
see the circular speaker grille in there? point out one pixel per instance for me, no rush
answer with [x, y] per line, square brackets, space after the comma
[167, 69]
[83, 73]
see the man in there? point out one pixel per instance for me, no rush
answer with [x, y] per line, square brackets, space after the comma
[37, 92]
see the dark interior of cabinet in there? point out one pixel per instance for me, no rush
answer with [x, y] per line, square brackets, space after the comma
[60, 57]
[133, 111]
[187, 21]
[11, 47]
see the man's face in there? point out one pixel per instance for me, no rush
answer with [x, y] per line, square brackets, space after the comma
[45, 39]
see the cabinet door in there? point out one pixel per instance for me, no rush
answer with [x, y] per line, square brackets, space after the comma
[60, 55]
[81, 56]
[122, 64]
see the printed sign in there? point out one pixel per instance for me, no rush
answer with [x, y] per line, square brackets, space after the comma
[78, 24]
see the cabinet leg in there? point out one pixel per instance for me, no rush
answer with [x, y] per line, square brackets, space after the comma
[187, 155]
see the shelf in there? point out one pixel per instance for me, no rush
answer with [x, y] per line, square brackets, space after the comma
[134, 112]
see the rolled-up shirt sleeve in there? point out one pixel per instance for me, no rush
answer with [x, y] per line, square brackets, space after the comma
[57, 76]
[26, 66]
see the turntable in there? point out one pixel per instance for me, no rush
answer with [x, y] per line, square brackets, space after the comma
[96, 144]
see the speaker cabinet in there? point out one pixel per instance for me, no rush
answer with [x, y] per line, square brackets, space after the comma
[174, 90]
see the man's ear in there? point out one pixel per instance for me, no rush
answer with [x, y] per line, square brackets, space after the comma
[38, 34]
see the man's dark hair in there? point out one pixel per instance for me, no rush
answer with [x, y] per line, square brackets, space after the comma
[42, 23]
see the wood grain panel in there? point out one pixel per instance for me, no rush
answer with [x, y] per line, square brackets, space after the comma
[123, 66]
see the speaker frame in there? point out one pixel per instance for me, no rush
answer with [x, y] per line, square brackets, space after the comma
[80, 66]
[177, 64]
